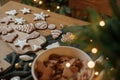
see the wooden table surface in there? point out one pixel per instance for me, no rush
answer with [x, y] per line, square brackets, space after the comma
[57, 19]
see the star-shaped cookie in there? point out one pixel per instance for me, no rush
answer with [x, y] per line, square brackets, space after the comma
[19, 20]
[25, 10]
[11, 12]
[21, 43]
[40, 16]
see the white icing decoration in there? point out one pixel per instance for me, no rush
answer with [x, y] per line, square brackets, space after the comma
[36, 47]
[21, 43]
[25, 10]
[25, 57]
[51, 26]
[11, 12]
[19, 20]
[53, 45]
[40, 16]
[15, 78]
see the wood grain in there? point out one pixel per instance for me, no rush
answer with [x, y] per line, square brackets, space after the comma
[54, 18]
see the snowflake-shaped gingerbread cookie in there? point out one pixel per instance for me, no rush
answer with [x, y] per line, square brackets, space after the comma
[11, 12]
[19, 20]
[40, 16]
[25, 10]
[21, 43]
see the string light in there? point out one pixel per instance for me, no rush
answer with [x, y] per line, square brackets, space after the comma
[91, 40]
[107, 58]
[67, 64]
[40, 2]
[48, 10]
[58, 7]
[91, 64]
[34, 0]
[96, 73]
[94, 50]
[102, 23]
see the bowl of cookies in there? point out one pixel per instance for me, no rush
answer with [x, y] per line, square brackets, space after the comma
[62, 63]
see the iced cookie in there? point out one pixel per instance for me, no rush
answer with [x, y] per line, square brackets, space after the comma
[41, 25]
[40, 16]
[7, 20]
[33, 35]
[10, 37]
[19, 21]
[25, 10]
[51, 26]
[56, 33]
[5, 29]
[21, 43]
[11, 12]
[27, 28]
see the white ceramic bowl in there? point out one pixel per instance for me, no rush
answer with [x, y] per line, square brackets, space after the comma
[67, 51]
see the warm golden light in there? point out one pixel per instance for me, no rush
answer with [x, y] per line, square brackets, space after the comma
[91, 64]
[58, 7]
[94, 50]
[72, 37]
[96, 73]
[91, 40]
[102, 23]
[48, 10]
[67, 64]
[40, 2]
[34, 0]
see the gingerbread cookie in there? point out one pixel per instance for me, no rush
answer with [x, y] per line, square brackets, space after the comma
[51, 26]
[41, 25]
[40, 16]
[5, 29]
[25, 10]
[7, 20]
[21, 43]
[10, 37]
[11, 12]
[67, 37]
[19, 20]
[33, 35]
[27, 28]
[56, 33]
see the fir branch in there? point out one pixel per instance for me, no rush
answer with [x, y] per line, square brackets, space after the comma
[115, 8]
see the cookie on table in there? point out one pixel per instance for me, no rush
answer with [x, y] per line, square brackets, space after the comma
[25, 10]
[26, 28]
[33, 35]
[5, 29]
[8, 19]
[56, 33]
[40, 16]
[41, 25]
[51, 26]
[9, 37]
[11, 12]
[19, 20]
[21, 43]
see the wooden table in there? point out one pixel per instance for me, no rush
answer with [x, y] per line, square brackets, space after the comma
[57, 19]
